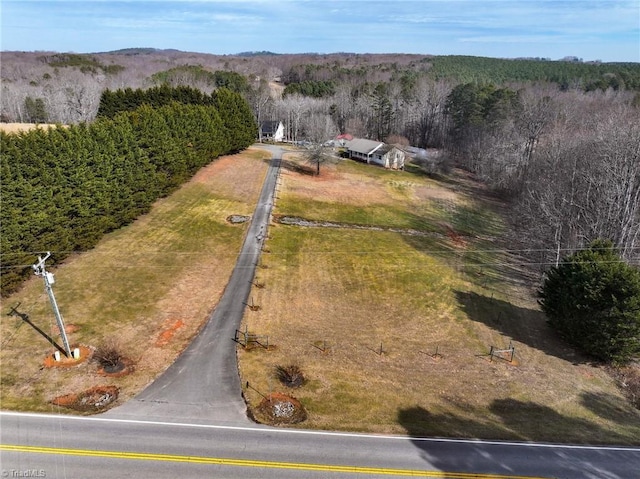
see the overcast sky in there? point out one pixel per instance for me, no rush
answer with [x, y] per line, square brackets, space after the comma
[607, 30]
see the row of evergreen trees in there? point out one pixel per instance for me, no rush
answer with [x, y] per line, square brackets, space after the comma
[64, 188]
[128, 99]
[316, 89]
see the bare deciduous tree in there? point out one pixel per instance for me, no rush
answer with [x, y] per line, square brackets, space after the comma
[341, 106]
[584, 183]
[317, 155]
[426, 118]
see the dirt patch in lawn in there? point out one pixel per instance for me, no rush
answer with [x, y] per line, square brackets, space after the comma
[168, 332]
[59, 360]
[68, 328]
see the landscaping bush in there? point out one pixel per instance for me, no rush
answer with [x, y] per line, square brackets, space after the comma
[291, 376]
[109, 356]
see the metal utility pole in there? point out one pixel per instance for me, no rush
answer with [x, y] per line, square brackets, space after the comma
[48, 281]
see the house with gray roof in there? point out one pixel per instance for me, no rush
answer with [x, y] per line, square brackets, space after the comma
[389, 156]
[376, 152]
[363, 150]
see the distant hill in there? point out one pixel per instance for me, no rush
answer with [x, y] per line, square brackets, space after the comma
[256, 54]
[72, 82]
[139, 51]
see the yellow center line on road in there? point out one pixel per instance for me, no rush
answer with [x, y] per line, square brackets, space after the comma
[259, 464]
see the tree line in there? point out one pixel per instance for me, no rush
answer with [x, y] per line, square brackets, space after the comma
[65, 187]
[585, 76]
[569, 164]
[569, 168]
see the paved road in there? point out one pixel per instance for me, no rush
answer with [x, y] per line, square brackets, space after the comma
[79, 447]
[203, 383]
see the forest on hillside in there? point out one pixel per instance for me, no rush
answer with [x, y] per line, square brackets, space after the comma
[558, 140]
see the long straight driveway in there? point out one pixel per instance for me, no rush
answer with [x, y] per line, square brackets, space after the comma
[203, 384]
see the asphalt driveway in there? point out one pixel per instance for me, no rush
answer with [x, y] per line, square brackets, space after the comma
[203, 384]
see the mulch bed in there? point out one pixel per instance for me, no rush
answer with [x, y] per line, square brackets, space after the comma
[278, 408]
[65, 362]
[95, 399]
[127, 367]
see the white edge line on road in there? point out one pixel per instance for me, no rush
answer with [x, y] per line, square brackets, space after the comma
[318, 433]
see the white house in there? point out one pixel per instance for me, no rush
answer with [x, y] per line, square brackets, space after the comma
[271, 131]
[389, 156]
[363, 150]
[376, 152]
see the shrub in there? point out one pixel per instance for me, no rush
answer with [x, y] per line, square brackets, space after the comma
[291, 376]
[628, 379]
[593, 299]
[109, 356]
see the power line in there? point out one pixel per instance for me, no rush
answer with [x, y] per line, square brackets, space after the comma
[451, 262]
[450, 250]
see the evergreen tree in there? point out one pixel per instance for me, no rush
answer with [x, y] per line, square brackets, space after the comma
[231, 80]
[383, 113]
[35, 110]
[593, 299]
[239, 123]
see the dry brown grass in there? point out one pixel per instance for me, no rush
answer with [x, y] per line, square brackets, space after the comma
[352, 187]
[21, 127]
[364, 312]
[162, 273]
